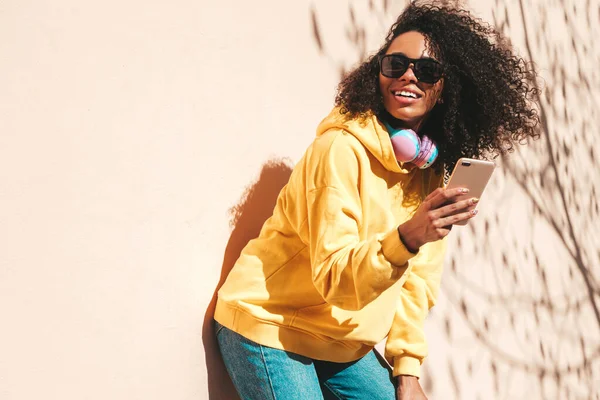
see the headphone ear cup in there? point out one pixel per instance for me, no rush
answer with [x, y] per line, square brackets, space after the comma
[406, 144]
[427, 154]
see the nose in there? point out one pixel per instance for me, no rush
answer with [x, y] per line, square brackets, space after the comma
[409, 74]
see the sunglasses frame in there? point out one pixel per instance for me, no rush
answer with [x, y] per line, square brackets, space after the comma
[411, 61]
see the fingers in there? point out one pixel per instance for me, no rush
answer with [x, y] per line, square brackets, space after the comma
[443, 208]
[441, 196]
[443, 232]
[433, 194]
[454, 208]
[453, 219]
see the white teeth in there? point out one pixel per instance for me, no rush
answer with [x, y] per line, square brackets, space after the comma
[406, 94]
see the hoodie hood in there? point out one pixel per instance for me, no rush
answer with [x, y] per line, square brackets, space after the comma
[371, 132]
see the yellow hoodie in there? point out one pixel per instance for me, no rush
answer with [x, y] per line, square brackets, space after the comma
[328, 277]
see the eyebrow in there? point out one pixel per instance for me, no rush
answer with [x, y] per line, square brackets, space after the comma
[421, 58]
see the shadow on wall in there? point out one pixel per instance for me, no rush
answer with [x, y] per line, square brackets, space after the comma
[524, 282]
[247, 218]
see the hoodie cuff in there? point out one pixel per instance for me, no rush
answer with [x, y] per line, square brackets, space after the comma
[406, 365]
[394, 250]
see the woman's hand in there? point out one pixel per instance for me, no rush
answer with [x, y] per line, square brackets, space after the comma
[409, 388]
[434, 217]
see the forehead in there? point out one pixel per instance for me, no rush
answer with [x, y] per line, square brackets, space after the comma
[412, 44]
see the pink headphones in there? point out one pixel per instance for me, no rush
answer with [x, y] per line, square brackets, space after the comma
[408, 147]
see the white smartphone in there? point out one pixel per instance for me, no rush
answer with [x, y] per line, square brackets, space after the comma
[473, 175]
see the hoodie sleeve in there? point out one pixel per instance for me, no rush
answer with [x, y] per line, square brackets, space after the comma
[347, 270]
[406, 346]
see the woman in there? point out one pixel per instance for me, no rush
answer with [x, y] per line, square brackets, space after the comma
[353, 252]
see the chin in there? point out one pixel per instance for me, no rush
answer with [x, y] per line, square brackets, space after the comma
[407, 118]
[405, 114]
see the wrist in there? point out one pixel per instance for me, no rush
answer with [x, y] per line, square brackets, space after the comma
[405, 237]
[407, 381]
[407, 378]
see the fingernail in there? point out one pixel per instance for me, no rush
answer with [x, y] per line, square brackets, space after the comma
[464, 190]
[474, 212]
[475, 200]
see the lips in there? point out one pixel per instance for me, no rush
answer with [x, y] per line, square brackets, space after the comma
[406, 93]
[406, 97]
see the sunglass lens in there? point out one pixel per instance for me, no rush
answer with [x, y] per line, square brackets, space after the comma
[428, 71]
[393, 66]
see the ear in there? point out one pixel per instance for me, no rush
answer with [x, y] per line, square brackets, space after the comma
[440, 99]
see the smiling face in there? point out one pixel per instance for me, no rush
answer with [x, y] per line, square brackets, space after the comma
[406, 98]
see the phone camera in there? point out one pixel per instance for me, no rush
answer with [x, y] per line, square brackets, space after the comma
[466, 163]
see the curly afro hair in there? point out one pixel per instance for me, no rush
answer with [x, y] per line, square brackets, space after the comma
[488, 95]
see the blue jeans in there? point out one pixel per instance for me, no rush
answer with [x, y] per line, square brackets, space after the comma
[264, 373]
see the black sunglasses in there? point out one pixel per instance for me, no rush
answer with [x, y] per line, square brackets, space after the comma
[426, 70]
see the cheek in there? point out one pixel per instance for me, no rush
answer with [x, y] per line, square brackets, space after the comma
[432, 96]
[383, 84]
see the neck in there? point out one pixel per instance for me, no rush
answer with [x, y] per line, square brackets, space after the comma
[400, 124]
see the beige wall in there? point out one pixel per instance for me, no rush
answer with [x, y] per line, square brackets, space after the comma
[142, 144]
